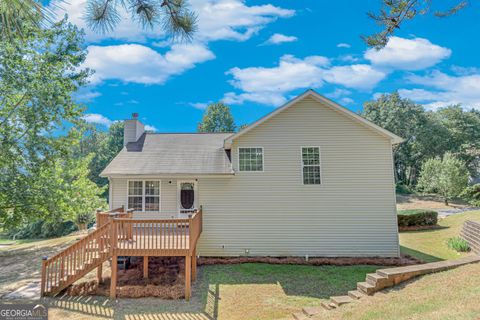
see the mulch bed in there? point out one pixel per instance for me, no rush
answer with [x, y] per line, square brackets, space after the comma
[165, 280]
[419, 228]
[404, 260]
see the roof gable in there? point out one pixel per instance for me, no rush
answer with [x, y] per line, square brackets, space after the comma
[310, 93]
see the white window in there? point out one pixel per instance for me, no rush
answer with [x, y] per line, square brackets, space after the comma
[311, 165]
[144, 195]
[250, 159]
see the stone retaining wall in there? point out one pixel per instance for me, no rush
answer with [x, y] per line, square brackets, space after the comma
[471, 233]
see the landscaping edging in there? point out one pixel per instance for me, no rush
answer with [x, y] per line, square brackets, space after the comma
[385, 278]
[312, 261]
[471, 233]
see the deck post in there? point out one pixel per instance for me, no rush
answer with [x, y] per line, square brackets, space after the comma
[145, 267]
[113, 282]
[188, 274]
[44, 276]
[194, 265]
[99, 273]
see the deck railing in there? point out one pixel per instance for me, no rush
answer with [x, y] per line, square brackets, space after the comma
[121, 237]
[103, 218]
[70, 264]
[164, 237]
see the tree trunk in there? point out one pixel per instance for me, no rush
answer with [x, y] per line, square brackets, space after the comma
[446, 201]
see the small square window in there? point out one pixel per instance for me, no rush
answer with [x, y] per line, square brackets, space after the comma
[250, 159]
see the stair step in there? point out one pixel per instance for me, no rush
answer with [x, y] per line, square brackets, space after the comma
[300, 316]
[311, 311]
[356, 294]
[328, 305]
[373, 278]
[366, 288]
[340, 300]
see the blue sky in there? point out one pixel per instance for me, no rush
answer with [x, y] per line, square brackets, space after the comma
[256, 55]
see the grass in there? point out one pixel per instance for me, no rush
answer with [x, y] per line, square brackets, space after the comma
[431, 245]
[451, 294]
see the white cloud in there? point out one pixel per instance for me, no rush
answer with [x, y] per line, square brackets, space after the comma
[407, 54]
[445, 90]
[270, 85]
[343, 45]
[86, 94]
[279, 38]
[97, 119]
[150, 128]
[347, 100]
[357, 76]
[141, 64]
[199, 105]
[338, 92]
[233, 19]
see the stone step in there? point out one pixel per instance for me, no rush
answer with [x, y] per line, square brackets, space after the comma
[341, 300]
[328, 305]
[366, 288]
[300, 316]
[311, 311]
[356, 294]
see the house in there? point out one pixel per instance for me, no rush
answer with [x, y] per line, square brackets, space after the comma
[309, 179]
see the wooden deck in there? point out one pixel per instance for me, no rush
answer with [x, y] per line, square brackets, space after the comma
[118, 234]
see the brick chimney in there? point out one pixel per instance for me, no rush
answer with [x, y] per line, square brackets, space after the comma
[133, 129]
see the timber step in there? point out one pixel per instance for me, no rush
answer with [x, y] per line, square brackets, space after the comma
[366, 288]
[356, 294]
[328, 305]
[341, 300]
[312, 311]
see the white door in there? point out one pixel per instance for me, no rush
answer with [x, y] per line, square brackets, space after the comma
[187, 197]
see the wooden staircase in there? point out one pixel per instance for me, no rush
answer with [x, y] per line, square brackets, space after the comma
[74, 262]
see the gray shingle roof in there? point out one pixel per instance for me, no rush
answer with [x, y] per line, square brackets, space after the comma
[172, 153]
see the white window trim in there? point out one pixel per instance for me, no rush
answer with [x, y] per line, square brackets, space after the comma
[195, 191]
[248, 147]
[319, 165]
[143, 194]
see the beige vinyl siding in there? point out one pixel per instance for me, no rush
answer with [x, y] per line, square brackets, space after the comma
[168, 197]
[352, 213]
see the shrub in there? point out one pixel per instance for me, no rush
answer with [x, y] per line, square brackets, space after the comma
[417, 217]
[458, 244]
[42, 229]
[403, 189]
[84, 219]
[472, 195]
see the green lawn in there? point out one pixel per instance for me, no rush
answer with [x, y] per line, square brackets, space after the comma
[431, 245]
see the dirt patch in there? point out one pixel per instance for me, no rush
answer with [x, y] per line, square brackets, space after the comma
[404, 260]
[433, 202]
[165, 280]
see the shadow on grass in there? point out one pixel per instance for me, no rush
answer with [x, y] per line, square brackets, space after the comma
[231, 286]
[419, 255]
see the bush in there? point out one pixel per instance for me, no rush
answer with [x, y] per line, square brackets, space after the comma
[472, 195]
[458, 244]
[417, 217]
[41, 229]
[403, 189]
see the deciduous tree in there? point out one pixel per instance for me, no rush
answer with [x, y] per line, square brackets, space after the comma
[447, 177]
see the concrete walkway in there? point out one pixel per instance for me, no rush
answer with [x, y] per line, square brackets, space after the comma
[448, 212]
